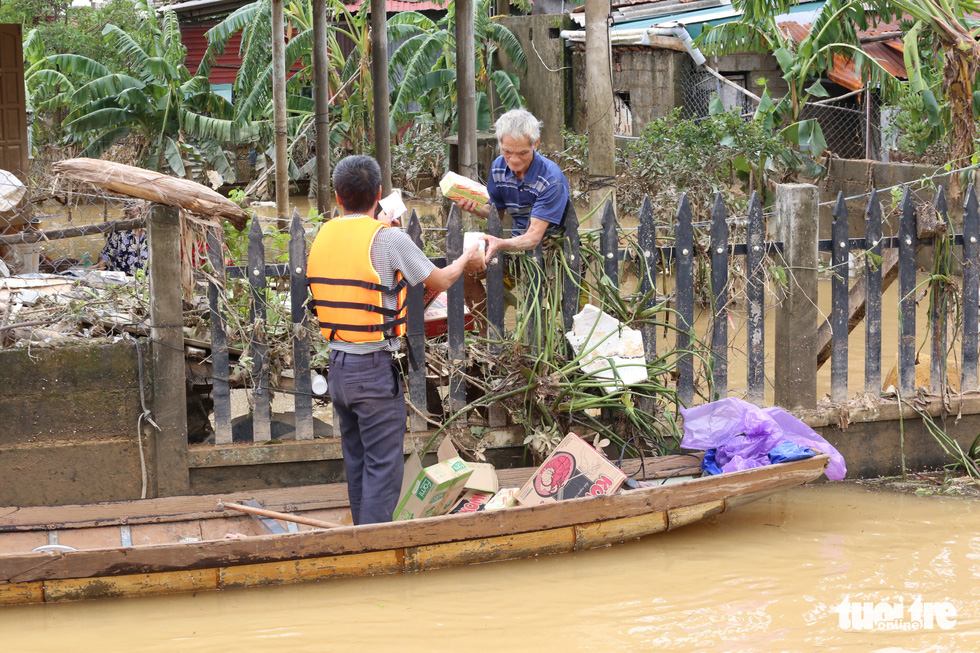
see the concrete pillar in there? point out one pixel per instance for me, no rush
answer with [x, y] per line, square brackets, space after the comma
[797, 207]
[167, 352]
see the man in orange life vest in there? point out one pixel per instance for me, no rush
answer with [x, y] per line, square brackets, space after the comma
[358, 271]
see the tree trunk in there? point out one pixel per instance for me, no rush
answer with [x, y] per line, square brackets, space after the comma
[959, 71]
[599, 105]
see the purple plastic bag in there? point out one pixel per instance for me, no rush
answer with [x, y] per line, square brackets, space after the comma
[744, 434]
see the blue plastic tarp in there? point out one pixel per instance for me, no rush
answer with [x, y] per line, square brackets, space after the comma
[743, 435]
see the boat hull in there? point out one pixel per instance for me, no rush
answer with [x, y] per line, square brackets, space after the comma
[396, 547]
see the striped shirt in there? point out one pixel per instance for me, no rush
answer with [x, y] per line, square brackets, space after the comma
[392, 250]
[542, 194]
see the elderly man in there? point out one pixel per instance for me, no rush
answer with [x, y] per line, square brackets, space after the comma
[358, 273]
[531, 187]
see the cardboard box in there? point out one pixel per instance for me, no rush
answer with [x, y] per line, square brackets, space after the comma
[503, 499]
[574, 469]
[457, 187]
[433, 490]
[484, 477]
[436, 315]
[471, 501]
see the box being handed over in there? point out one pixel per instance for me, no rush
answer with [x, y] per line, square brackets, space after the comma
[433, 490]
[457, 187]
[572, 470]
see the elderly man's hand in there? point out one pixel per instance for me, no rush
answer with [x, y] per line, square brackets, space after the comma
[494, 245]
[469, 205]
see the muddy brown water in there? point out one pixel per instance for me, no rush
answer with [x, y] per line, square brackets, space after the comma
[771, 575]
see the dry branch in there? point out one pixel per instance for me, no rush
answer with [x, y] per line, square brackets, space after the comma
[153, 186]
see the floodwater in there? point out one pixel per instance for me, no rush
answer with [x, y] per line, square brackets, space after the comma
[771, 575]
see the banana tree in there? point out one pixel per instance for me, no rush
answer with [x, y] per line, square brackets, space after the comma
[150, 100]
[351, 74]
[423, 68]
[833, 32]
[949, 22]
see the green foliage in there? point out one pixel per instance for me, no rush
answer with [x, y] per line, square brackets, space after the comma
[61, 27]
[423, 67]
[420, 154]
[833, 31]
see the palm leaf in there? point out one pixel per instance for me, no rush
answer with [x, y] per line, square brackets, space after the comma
[103, 142]
[103, 87]
[74, 63]
[128, 48]
[507, 86]
[172, 154]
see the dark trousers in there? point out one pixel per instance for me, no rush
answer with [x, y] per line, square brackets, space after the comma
[369, 401]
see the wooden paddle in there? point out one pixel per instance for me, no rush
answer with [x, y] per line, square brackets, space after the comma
[262, 512]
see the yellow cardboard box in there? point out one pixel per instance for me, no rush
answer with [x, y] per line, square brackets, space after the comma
[457, 187]
[433, 490]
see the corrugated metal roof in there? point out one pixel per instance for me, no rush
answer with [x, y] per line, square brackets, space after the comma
[394, 6]
[224, 69]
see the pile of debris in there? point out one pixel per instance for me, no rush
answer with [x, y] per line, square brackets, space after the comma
[45, 310]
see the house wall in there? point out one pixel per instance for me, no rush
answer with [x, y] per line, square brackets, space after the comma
[755, 67]
[545, 90]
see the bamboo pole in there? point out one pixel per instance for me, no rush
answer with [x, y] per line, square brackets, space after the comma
[279, 111]
[379, 77]
[466, 88]
[262, 512]
[321, 101]
[72, 232]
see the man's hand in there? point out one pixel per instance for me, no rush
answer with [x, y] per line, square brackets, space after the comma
[386, 218]
[494, 245]
[470, 206]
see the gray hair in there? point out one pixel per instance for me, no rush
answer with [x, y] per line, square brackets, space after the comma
[518, 123]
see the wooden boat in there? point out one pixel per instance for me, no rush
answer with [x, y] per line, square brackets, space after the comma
[179, 544]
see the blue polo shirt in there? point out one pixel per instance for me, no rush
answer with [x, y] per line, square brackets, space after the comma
[542, 194]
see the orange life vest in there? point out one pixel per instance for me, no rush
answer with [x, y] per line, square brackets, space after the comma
[346, 288]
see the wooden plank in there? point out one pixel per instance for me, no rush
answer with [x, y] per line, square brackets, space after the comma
[572, 280]
[21, 593]
[906, 291]
[874, 280]
[456, 319]
[719, 294]
[684, 515]
[298, 295]
[937, 301]
[609, 244]
[971, 288]
[311, 569]
[613, 531]
[755, 303]
[415, 336]
[684, 290]
[171, 582]
[839, 312]
[496, 309]
[261, 415]
[310, 497]
[220, 368]
[504, 547]
[154, 186]
[171, 475]
[647, 237]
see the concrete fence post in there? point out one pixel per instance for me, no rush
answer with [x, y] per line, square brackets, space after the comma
[169, 409]
[797, 221]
